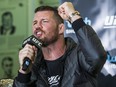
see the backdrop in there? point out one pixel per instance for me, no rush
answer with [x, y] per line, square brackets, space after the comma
[101, 15]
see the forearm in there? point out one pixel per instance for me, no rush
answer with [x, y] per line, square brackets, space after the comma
[90, 44]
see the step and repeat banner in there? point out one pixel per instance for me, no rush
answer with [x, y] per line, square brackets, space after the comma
[101, 15]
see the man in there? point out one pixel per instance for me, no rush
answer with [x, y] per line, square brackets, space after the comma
[61, 62]
[7, 66]
[7, 27]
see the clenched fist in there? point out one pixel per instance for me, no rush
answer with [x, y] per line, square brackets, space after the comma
[28, 51]
[66, 11]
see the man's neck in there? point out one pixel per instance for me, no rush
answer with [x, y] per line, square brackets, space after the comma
[54, 51]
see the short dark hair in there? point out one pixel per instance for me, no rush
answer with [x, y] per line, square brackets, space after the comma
[49, 8]
[7, 13]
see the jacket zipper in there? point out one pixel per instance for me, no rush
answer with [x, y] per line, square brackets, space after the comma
[44, 80]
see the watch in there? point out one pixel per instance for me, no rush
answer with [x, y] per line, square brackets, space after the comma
[73, 14]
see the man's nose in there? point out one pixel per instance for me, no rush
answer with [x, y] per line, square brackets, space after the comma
[38, 25]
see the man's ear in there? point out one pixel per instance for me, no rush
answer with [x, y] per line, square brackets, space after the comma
[61, 28]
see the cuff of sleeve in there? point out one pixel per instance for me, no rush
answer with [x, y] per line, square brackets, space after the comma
[23, 78]
[77, 24]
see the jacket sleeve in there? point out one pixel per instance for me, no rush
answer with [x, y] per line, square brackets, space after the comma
[90, 44]
[23, 80]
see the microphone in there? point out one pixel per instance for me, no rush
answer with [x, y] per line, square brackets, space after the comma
[32, 40]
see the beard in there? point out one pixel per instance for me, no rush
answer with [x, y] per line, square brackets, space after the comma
[49, 40]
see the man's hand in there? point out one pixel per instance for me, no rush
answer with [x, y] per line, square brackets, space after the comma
[28, 51]
[65, 11]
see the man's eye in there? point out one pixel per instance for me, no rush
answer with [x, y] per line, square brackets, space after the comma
[44, 21]
[34, 22]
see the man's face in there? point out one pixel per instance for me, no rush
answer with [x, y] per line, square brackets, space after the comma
[7, 21]
[45, 27]
[7, 66]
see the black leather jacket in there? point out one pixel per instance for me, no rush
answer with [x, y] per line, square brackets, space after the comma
[82, 64]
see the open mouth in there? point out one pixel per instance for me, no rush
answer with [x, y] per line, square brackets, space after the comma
[39, 33]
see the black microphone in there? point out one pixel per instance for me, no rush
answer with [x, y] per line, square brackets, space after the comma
[32, 40]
